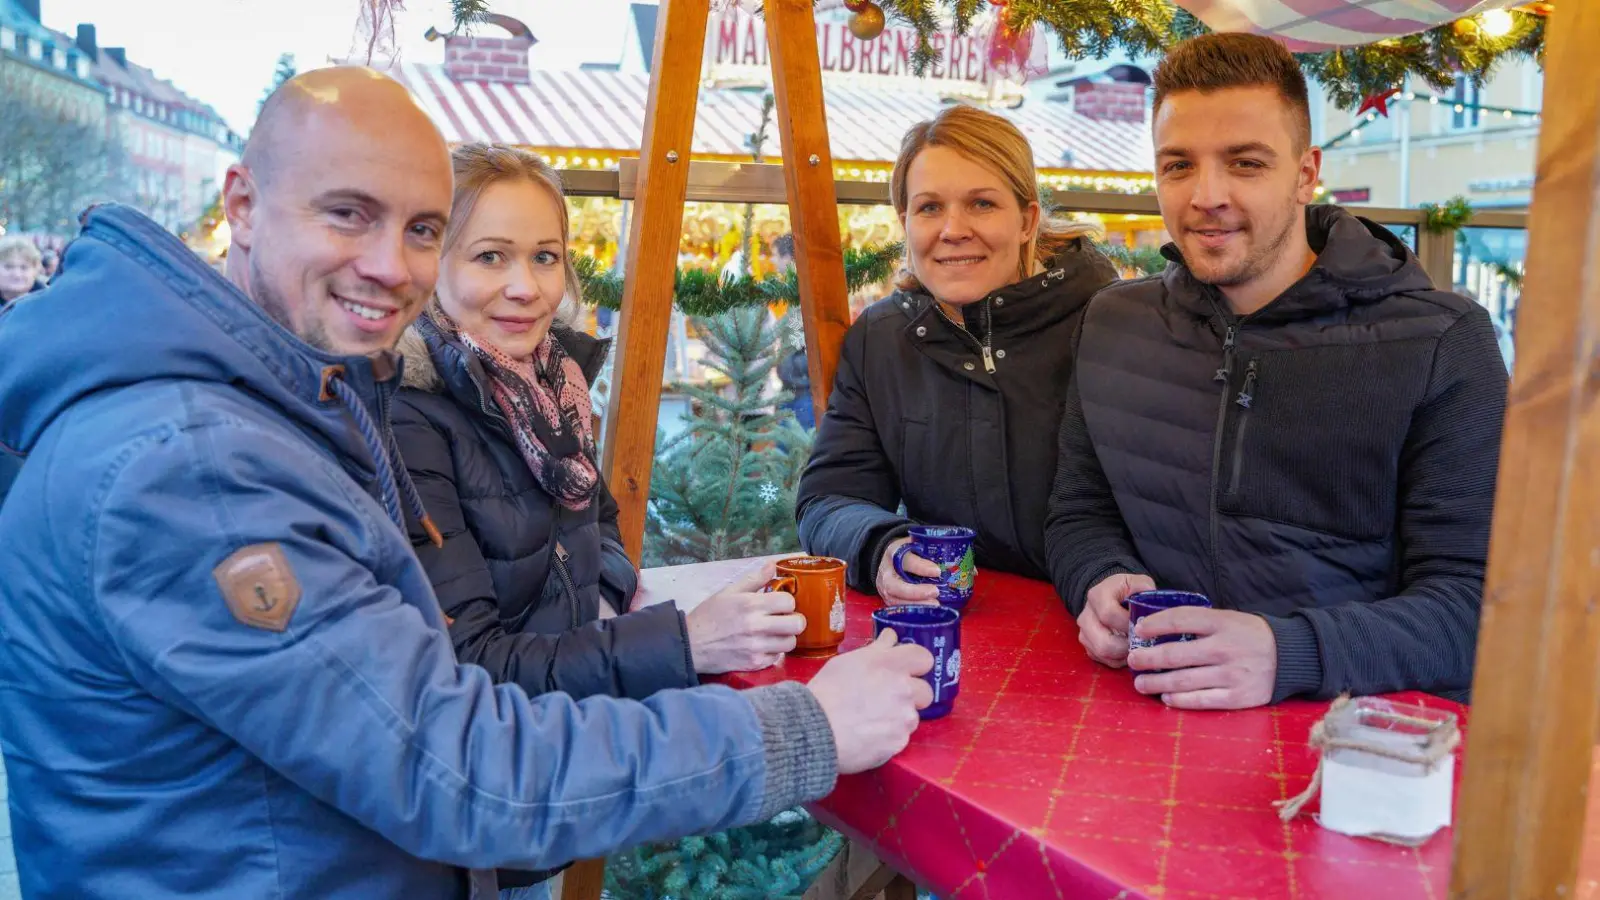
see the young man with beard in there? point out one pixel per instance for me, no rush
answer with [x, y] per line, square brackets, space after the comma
[1290, 419]
[224, 673]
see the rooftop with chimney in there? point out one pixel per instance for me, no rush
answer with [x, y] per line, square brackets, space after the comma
[23, 38]
[127, 85]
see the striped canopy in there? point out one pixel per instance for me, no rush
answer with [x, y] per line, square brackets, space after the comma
[591, 109]
[1313, 25]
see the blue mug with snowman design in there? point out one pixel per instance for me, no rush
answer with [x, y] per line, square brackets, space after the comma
[936, 629]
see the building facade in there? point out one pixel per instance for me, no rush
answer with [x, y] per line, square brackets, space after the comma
[1463, 141]
[1476, 143]
[52, 112]
[160, 150]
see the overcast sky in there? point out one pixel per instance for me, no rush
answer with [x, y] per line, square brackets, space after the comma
[224, 51]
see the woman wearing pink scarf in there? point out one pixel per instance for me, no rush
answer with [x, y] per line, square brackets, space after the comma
[496, 429]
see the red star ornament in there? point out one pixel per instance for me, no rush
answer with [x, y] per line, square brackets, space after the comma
[1378, 101]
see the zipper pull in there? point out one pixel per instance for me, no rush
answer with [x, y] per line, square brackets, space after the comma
[1246, 393]
[988, 360]
[1227, 354]
[561, 552]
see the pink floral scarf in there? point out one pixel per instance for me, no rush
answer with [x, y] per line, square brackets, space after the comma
[546, 402]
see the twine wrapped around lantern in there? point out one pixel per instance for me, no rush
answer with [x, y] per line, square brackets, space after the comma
[1387, 771]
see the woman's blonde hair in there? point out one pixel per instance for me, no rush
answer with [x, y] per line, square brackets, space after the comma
[477, 167]
[20, 247]
[994, 143]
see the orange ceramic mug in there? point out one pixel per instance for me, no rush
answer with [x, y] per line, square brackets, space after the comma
[817, 584]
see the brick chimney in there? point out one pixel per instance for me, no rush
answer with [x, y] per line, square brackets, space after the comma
[1110, 101]
[503, 59]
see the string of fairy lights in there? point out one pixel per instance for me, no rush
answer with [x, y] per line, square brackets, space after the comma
[1512, 116]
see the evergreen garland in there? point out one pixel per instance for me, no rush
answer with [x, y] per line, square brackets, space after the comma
[1089, 29]
[1454, 215]
[705, 294]
[1142, 260]
[1351, 74]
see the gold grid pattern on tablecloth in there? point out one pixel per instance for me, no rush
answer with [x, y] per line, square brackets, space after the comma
[1020, 798]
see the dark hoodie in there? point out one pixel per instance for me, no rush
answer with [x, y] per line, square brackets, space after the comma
[919, 417]
[1327, 462]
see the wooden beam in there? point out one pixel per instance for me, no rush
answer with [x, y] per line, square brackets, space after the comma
[808, 174]
[652, 263]
[901, 888]
[585, 880]
[1537, 687]
[1437, 253]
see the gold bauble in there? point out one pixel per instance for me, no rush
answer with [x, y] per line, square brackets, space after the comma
[867, 24]
[1467, 30]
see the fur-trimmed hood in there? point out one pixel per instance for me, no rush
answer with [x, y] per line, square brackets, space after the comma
[424, 347]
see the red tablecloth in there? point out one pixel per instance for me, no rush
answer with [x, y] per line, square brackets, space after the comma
[1053, 778]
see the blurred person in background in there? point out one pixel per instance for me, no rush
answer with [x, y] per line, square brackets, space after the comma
[21, 268]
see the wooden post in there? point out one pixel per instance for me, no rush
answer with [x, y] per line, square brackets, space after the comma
[1437, 253]
[584, 881]
[1537, 689]
[808, 174]
[652, 263]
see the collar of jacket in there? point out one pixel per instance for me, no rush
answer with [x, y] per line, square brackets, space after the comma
[187, 323]
[1036, 302]
[1358, 262]
[439, 364]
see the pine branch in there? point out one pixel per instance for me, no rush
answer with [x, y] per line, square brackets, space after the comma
[1094, 30]
[1454, 214]
[707, 294]
[468, 13]
[599, 288]
[1144, 260]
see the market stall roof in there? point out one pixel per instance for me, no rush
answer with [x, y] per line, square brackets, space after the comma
[592, 109]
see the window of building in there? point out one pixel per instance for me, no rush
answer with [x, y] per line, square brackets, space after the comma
[1464, 97]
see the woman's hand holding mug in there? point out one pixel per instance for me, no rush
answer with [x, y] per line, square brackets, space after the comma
[741, 628]
[894, 589]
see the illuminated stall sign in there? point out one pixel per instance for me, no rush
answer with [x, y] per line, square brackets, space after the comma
[737, 44]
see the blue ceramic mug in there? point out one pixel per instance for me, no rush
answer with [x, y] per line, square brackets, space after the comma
[950, 548]
[1148, 603]
[936, 629]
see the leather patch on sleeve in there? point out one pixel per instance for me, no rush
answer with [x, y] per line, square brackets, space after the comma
[260, 586]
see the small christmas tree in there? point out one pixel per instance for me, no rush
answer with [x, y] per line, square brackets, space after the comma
[775, 860]
[284, 71]
[724, 488]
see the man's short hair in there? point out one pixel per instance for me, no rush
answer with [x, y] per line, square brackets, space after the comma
[19, 248]
[783, 245]
[1214, 62]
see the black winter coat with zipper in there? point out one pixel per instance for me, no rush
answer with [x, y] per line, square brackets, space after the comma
[954, 423]
[1327, 462]
[521, 575]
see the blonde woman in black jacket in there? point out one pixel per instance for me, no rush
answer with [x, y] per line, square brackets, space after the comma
[495, 428]
[948, 394]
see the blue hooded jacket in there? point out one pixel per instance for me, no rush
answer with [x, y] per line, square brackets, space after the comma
[167, 737]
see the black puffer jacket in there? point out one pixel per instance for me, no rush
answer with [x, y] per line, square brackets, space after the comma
[1328, 462]
[918, 417]
[521, 575]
